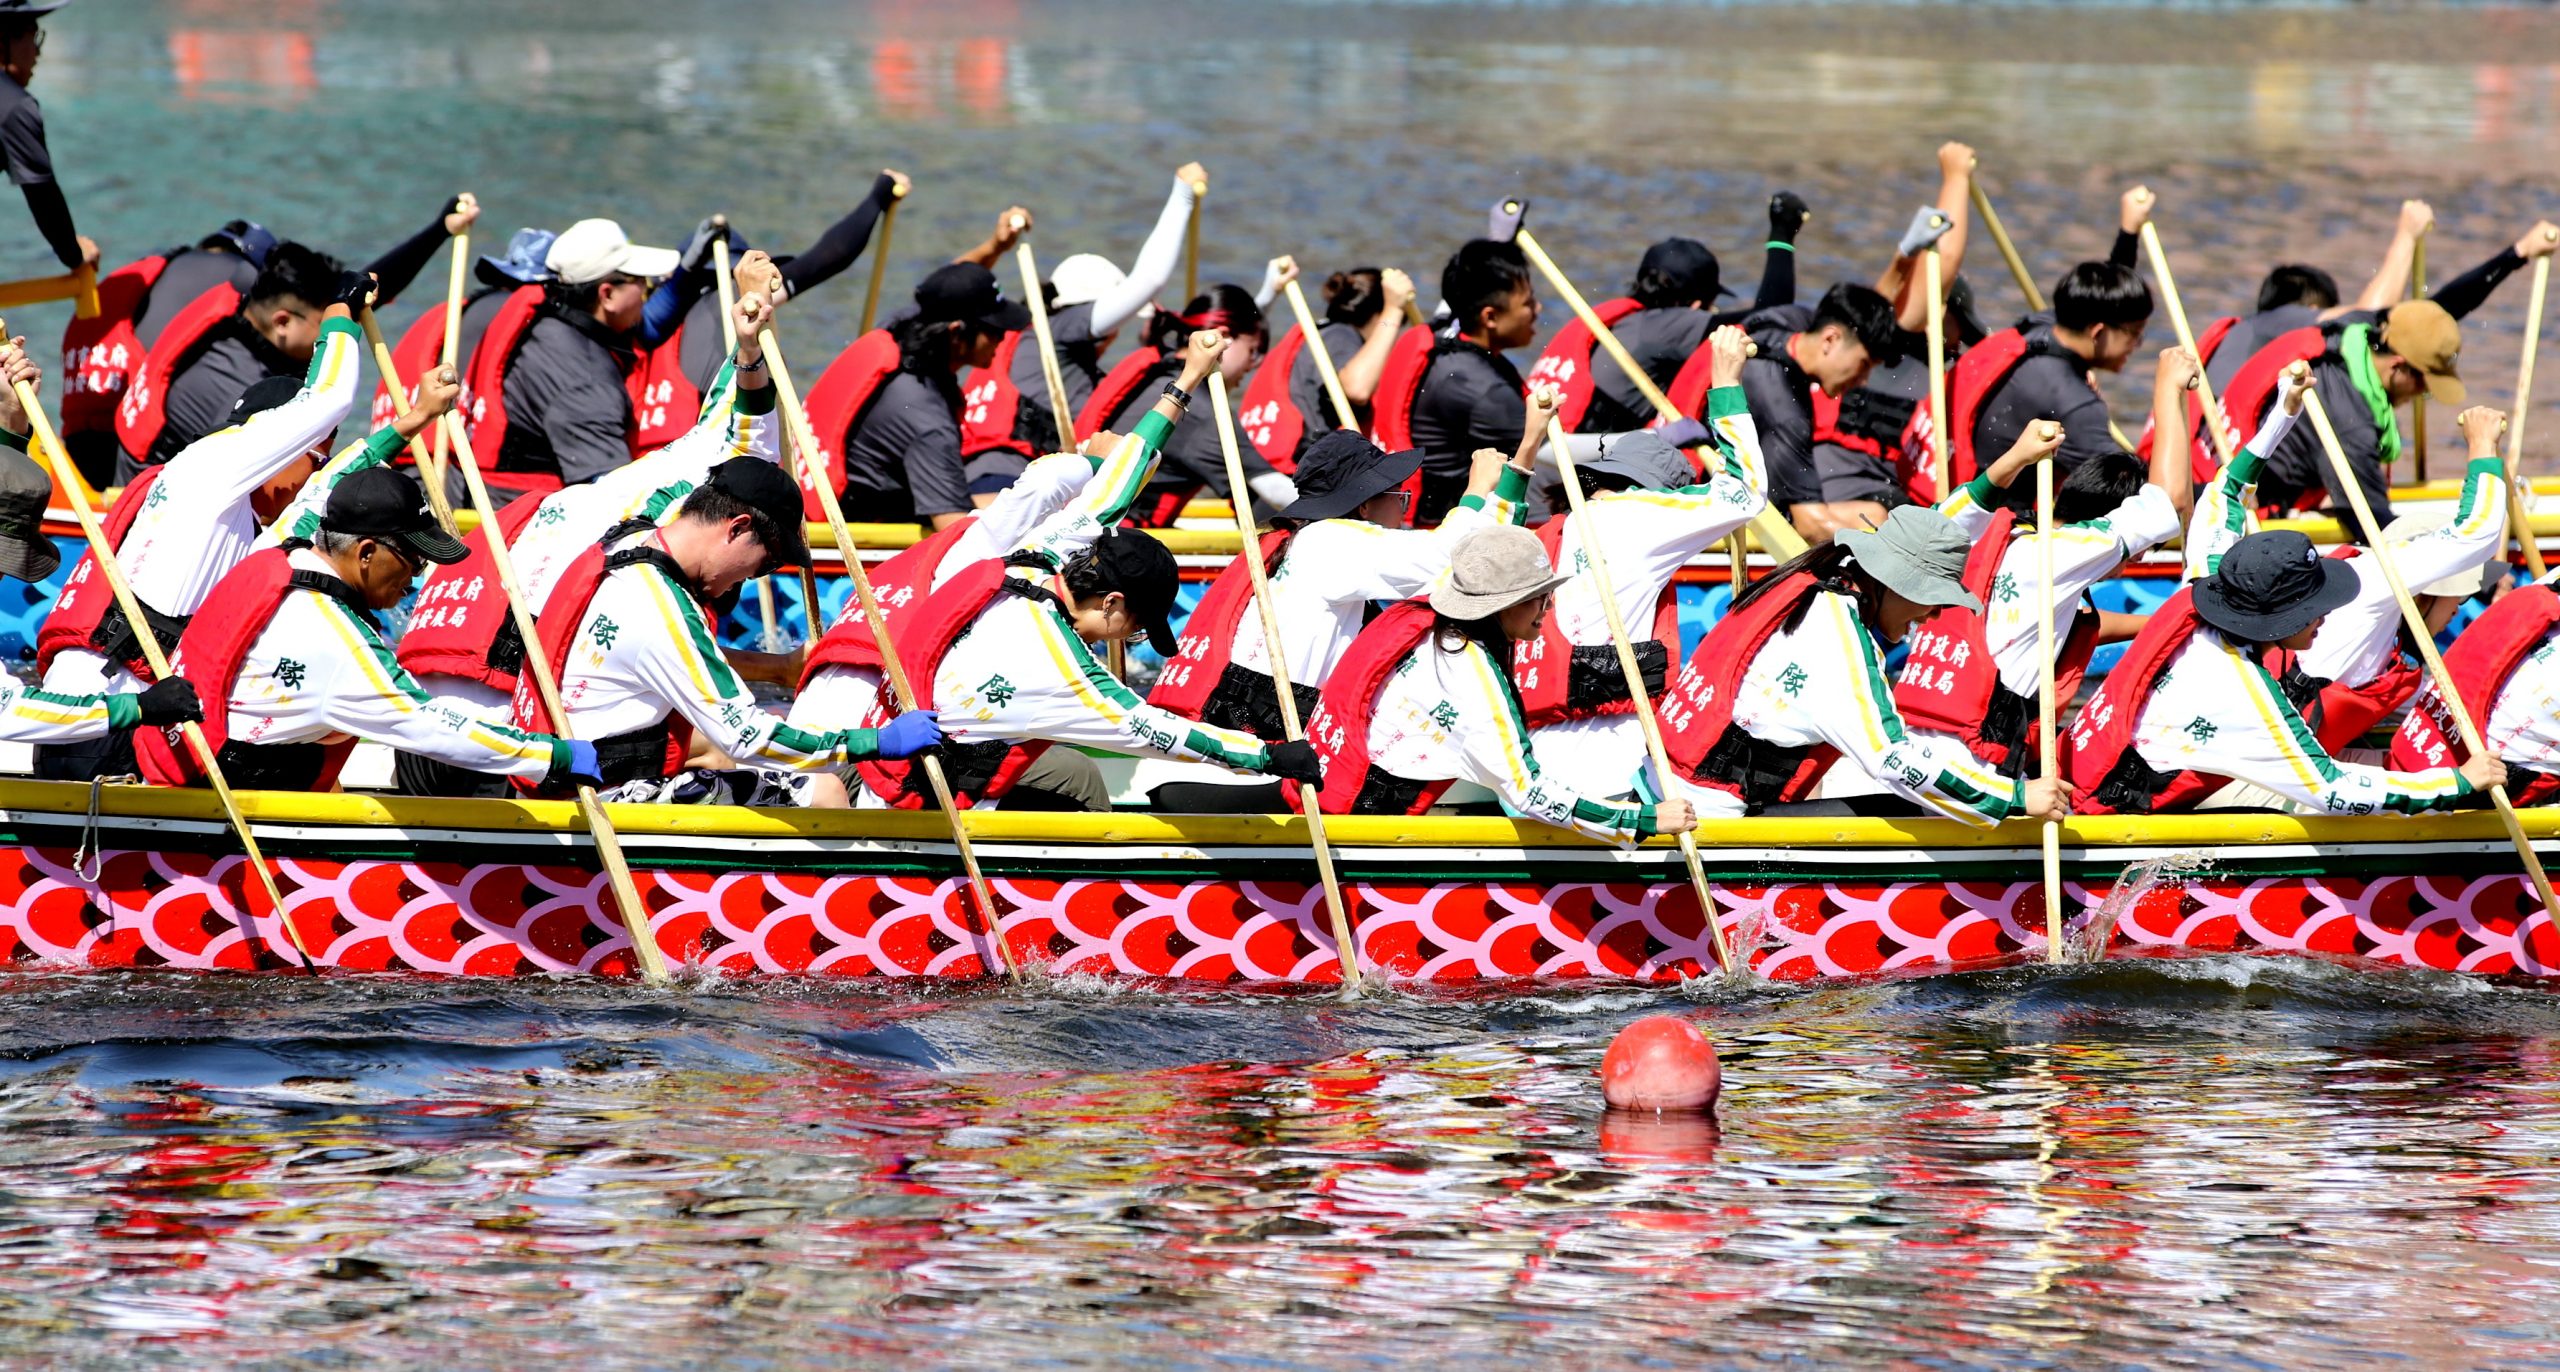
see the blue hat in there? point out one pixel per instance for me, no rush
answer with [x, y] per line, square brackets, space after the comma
[523, 265]
[253, 239]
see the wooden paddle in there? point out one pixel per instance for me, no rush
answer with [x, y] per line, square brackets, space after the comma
[537, 661]
[67, 477]
[2417, 626]
[1335, 907]
[2000, 237]
[430, 471]
[1775, 534]
[2523, 517]
[2047, 707]
[2418, 407]
[728, 288]
[1934, 284]
[901, 690]
[1342, 412]
[451, 353]
[1634, 674]
[2216, 422]
[1191, 243]
[1038, 301]
[871, 297]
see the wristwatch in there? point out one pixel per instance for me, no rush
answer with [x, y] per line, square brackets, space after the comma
[1173, 391]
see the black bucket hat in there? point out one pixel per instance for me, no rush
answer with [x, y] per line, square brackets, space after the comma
[1343, 471]
[264, 394]
[2271, 586]
[1146, 576]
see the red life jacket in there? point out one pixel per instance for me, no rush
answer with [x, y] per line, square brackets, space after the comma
[210, 655]
[1566, 364]
[1121, 383]
[1697, 712]
[976, 772]
[2252, 390]
[2207, 344]
[1542, 667]
[1970, 383]
[484, 387]
[1208, 642]
[2480, 662]
[1339, 729]
[144, 410]
[1950, 682]
[900, 585]
[85, 600]
[1270, 417]
[990, 404]
[101, 354]
[2101, 736]
[419, 348]
[664, 401]
[1391, 409]
[563, 614]
[838, 402]
[461, 610]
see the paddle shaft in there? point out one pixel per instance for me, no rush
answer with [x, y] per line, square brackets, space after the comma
[2418, 407]
[2524, 406]
[1775, 534]
[2047, 707]
[2417, 626]
[871, 297]
[2008, 250]
[1315, 348]
[900, 689]
[537, 661]
[67, 476]
[451, 351]
[728, 288]
[430, 471]
[1634, 674]
[1934, 286]
[1335, 907]
[1191, 244]
[2226, 443]
[1050, 376]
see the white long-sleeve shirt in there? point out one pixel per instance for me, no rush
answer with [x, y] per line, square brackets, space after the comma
[2215, 707]
[840, 695]
[320, 672]
[1823, 682]
[199, 519]
[1154, 267]
[31, 714]
[2084, 554]
[2361, 638]
[1646, 536]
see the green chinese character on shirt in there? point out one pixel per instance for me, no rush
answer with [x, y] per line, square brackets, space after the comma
[2202, 729]
[549, 515]
[1793, 679]
[2004, 587]
[288, 671]
[606, 631]
[997, 690]
[1445, 715]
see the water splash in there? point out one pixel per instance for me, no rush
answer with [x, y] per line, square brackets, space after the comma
[2087, 935]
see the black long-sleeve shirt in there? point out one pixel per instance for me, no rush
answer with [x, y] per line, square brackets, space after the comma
[30, 163]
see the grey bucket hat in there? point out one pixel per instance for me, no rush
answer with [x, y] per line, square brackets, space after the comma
[25, 551]
[1645, 459]
[1492, 570]
[1918, 554]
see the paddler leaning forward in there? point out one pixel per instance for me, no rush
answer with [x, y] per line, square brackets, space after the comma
[1001, 649]
[1792, 679]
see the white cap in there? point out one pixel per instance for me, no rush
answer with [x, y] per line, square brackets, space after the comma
[593, 249]
[1084, 278]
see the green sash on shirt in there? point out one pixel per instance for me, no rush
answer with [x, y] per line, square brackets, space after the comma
[2355, 348]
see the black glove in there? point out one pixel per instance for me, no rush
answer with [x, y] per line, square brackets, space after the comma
[355, 291]
[1294, 760]
[1787, 212]
[170, 702]
[697, 249]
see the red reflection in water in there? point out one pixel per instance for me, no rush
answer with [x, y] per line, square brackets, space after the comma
[262, 65]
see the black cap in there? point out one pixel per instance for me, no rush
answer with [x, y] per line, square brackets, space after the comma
[1145, 575]
[965, 291]
[264, 394]
[387, 503]
[2271, 586]
[1343, 471]
[761, 486]
[29, 9]
[25, 552]
[1687, 266]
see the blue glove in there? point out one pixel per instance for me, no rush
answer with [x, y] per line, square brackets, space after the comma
[909, 734]
[1684, 433]
[581, 767]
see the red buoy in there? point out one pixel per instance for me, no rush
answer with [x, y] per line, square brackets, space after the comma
[1661, 1062]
